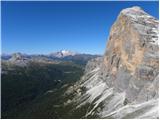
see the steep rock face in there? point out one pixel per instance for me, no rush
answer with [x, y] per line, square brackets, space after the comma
[132, 51]
[124, 82]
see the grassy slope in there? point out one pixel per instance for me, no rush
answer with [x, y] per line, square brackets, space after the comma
[24, 90]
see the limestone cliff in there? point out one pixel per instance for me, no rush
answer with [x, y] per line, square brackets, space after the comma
[132, 52]
[124, 82]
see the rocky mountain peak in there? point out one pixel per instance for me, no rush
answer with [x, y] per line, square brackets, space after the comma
[17, 56]
[122, 84]
[135, 13]
[67, 53]
[133, 35]
[63, 53]
[18, 59]
[132, 11]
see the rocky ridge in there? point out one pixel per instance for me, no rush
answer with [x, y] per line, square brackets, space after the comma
[21, 59]
[124, 82]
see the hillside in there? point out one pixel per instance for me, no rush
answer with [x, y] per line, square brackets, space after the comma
[124, 82]
[23, 85]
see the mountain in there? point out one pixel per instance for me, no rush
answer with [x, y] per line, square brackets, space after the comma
[124, 82]
[121, 84]
[35, 83]
[60, 56]
[23, 87]
[5, 56]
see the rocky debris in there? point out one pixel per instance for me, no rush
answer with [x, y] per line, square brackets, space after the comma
[125, 80]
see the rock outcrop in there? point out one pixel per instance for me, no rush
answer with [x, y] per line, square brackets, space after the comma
[124, 82]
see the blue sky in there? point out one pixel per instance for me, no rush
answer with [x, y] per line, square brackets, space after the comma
[44, 27]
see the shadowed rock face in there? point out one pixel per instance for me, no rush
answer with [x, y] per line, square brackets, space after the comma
[124, 82]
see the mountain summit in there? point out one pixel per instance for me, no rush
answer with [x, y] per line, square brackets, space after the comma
[124, 82]
[63, 53]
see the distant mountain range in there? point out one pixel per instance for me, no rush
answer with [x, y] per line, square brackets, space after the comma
[29, 78]
[63, 55]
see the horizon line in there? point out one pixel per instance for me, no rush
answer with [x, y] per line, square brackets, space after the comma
[10, 53]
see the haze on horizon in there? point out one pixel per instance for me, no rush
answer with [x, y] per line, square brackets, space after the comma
[45, 27]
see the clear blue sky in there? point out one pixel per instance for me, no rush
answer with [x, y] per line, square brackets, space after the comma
[44, 27]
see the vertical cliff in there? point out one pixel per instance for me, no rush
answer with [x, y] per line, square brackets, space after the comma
[124, 82]
[131, 57]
